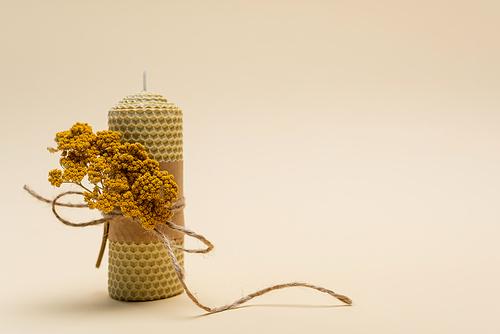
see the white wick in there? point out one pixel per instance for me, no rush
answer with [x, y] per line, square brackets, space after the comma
[144, 80]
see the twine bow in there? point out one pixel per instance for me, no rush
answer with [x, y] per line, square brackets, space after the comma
[178, 205]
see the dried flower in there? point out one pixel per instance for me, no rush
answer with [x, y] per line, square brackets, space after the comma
[121, 175]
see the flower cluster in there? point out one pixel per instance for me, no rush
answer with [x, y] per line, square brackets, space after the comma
[120, 175]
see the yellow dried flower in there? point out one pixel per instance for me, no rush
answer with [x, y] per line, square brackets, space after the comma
[55, 177]
[122, 175]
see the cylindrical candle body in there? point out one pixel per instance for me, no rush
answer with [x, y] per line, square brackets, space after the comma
[139, 267]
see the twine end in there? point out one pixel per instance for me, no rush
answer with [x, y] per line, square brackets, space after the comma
[344, 299]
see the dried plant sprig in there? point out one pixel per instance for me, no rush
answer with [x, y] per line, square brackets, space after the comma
[119, 175]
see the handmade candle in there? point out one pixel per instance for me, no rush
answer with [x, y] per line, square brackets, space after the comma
[146, 249]
[139, 267]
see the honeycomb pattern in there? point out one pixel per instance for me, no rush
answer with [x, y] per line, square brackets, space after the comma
[149, 119]
[141, 271]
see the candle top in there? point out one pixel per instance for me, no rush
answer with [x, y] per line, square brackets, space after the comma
[145, 101]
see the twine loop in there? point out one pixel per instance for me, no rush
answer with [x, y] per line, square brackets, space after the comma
[177, 205]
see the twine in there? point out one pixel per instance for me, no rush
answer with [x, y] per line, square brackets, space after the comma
[178, 205]
[54, 203]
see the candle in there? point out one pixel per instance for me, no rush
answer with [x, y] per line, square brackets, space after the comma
[144, 263]
[139, 267]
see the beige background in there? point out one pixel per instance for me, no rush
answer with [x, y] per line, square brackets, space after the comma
[351, 144]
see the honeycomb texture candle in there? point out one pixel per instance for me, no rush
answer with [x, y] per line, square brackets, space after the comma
[149, 119]
[139, 267]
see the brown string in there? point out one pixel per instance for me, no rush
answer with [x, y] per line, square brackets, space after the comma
[103, 245]
[180, 274]
[191, 234]
[40, 198]
[177, 267]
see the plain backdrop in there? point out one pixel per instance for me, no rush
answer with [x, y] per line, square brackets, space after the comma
[350, 144]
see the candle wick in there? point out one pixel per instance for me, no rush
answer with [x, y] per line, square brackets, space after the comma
[144, 80]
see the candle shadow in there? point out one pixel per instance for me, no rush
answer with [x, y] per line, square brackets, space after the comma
[102, 304]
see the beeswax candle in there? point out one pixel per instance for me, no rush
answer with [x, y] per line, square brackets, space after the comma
[139, 267]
